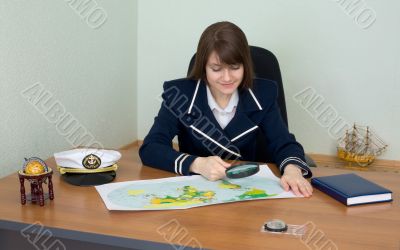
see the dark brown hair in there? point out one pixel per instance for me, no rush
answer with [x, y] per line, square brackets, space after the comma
[230, 44]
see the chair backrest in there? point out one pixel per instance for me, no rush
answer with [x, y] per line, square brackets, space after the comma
[265, 66]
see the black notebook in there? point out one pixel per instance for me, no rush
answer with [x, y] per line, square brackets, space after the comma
[351, 189]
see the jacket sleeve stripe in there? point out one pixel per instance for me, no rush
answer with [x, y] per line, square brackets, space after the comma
[244, 133]
[211, 139]
[176, 162]
[194, 96]
[302, 163]
[180, 164]
[292, 158]
[255, 99]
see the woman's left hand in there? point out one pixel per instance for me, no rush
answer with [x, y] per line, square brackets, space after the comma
[292, 178]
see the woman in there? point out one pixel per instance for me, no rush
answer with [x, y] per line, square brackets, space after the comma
[216, 113]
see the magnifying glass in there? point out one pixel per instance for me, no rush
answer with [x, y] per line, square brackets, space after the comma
[242, 170]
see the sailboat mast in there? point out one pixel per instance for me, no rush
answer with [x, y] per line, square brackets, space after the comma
[346, 140]
[353, 142]
[366, 141]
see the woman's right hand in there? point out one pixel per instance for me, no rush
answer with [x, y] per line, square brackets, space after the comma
[212, 167]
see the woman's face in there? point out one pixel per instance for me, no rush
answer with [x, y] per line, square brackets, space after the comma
[223, 79]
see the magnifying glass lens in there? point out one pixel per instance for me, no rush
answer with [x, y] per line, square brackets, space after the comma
[242, 170]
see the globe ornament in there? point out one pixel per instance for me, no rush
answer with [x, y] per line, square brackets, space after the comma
[35, 166]
[37, 173]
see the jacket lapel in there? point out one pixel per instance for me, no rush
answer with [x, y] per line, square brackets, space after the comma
[206, 126]
[241, 124]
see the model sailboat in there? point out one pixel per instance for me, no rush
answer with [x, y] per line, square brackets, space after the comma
[360, 145]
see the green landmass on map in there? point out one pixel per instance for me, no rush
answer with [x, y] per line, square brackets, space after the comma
[190, 196]
[254, 193]
[227, 185]
[250, 194]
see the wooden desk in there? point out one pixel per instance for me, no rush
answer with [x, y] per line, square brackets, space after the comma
[226, 226]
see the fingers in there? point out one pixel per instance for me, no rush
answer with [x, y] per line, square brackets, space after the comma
[306, 189]
[219, 172]
[298, 185]
[216, 168]
[301, 188]
[284, 184]
[216, 175]
[295, 188]
[222, 162]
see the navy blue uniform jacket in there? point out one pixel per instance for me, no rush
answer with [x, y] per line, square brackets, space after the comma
[185, 113]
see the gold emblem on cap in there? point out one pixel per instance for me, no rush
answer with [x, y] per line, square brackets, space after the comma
[91, 161]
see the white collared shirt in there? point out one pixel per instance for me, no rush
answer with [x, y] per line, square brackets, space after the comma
[223, 116]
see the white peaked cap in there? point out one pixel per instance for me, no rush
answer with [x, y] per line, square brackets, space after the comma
[73, 158]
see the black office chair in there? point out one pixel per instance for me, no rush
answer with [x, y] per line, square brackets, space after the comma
[266, 66]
